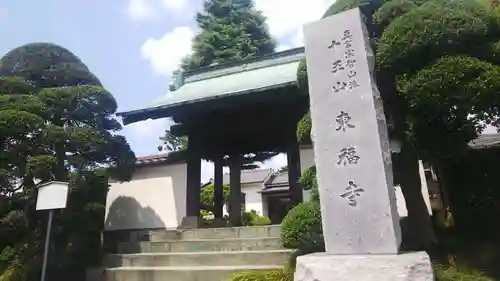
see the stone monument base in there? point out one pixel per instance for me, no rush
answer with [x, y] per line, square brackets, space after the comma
[414, 266]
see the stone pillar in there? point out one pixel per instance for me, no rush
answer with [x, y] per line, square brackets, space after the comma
[235, 189]
[293, 162]
[193, 183]
[353, 161]
[218, 189]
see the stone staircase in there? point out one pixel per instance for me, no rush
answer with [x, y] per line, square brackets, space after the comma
[197, 255]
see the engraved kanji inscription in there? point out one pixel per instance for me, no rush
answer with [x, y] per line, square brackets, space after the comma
[351, 73]
[340, 86]
[352, 191]
[343, 121]
[348, 155]
[351, 85]
[337, 66]
[334, 44]
[349, 54]
[347, 39]
[350, 63]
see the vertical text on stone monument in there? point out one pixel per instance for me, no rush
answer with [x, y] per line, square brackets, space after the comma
[347, 64]
[343, 121]
[352, 191]
[347, 155]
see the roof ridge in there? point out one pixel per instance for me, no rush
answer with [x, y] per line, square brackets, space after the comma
[284, 57]
[246, 60]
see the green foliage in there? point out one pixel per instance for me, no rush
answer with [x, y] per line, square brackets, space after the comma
[458, 273]
[302, 82]
[173, 143]
[57, 65]
[302, 228]
[304, 128]
[230, 31]
[252, 218]
[391, 10]
[58, 126]
[262, 275]
[309, 182]
[429, 31]
[467, 86]
[344, 5]
[207, 194]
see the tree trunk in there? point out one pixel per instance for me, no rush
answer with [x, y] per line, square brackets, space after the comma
[419, 233]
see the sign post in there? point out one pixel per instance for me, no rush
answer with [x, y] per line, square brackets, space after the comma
[51, 196]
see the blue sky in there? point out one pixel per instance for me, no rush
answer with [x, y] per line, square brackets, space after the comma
[134, 45]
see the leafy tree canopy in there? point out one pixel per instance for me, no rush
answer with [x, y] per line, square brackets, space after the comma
[442, 59]
[56, 123]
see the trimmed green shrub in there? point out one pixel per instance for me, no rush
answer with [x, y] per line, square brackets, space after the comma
[253, 218]
[308, 180]
[302, 229]
[391, 10]
[458, 273]
[262, 275]
[430, 31]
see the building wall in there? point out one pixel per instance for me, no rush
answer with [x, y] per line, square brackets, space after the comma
[307, 160]
[253, 199]
[154, 198]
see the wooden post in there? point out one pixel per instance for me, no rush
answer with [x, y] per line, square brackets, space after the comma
[235, 189]
[193, 178]
[218, 188]
[293, 162]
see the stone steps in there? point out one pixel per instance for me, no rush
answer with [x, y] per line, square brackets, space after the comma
[197, 255]
[195, 273]
[215, 233]
[201, 245]
[236, 258]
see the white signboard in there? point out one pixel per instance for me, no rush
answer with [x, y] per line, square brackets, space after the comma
[52, 195]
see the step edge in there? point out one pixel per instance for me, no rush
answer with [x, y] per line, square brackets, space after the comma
[204, 240]
[201, 253]
[195, 268]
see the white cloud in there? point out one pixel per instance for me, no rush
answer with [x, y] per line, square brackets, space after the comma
[276, 162]
[140, 9]
[164, 54]
[282, 47]
[148, 129]
[147, 9]
[174, 4]
[286, 18]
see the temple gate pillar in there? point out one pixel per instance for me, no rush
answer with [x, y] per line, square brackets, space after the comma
[293, 163]
[235, 162]
[193, 183]
[218, 188]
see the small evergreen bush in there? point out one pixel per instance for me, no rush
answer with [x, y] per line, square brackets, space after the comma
[302, 229]
[458, 273]
[262, 275]
[253, 218]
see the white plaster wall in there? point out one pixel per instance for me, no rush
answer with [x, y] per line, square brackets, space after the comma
[253, 199]
[154, 198]
[307, 160]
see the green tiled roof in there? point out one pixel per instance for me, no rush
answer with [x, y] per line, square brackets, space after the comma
[217, 82]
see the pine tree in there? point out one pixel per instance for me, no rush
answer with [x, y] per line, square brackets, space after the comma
[231, 30]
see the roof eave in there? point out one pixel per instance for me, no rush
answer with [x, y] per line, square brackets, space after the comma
[169, 110]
